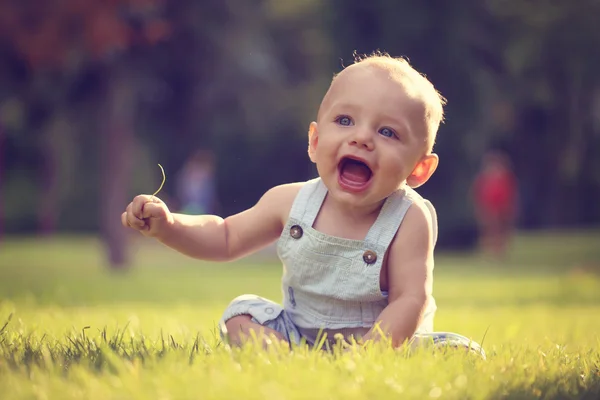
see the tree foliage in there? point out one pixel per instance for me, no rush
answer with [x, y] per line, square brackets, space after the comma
[94, 93]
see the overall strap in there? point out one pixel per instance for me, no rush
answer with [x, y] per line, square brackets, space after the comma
[389, 219]
[308, 201]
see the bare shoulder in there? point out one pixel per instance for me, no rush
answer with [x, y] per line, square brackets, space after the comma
[419, 225]
[280, 198]
[286, 191]
[421, 213]
[260, 225]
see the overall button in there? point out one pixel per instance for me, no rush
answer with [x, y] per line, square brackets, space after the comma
[369, 257]
[296, 231]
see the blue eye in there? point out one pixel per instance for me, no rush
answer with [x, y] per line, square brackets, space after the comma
[344, 120]
[387, 132]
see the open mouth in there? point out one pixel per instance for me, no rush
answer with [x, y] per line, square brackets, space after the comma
[354, 174]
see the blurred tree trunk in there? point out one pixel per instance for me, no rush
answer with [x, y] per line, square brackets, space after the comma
[116, 152]
[2, 158]
[572, 157]
[49, 200]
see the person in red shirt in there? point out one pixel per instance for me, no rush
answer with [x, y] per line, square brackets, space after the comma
[495, 198]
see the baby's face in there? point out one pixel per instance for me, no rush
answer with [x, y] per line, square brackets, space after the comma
[369, 136]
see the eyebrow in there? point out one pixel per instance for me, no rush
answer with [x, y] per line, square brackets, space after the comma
[343, 105]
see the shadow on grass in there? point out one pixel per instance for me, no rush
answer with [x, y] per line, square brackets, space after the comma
[590, 390]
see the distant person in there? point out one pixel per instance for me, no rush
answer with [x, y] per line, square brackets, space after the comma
[196, 193]
[495, 198]
[357, 242]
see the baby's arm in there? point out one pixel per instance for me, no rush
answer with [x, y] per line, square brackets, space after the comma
[410, 267]
[209, 237]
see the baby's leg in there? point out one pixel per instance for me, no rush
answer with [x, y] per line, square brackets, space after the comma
[250, 315]
[240, 328]
[447, 340]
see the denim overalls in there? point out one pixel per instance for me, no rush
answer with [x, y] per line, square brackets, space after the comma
[331, 284]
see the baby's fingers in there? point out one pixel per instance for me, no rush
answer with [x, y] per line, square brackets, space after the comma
[132, 220]
[138, 203]
[154, 209]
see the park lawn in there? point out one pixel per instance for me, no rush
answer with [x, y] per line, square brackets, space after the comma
[70, 329]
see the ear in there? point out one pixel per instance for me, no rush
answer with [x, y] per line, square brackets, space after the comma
[423, 171]
[313, 140]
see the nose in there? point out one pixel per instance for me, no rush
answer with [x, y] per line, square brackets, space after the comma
[361, 137]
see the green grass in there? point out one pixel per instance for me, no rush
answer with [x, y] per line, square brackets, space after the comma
[70, 329]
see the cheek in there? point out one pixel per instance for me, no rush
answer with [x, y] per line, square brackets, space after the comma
[408, 154]
[326, 146]
[396, 158]
[398, 163]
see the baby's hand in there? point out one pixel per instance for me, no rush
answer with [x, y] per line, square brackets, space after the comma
[147, 214]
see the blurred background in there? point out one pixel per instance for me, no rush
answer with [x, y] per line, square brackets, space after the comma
[94, 94]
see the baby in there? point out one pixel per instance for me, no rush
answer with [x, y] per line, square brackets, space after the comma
[356, 242]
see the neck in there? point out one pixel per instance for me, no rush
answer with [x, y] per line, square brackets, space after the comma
[352, 212]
